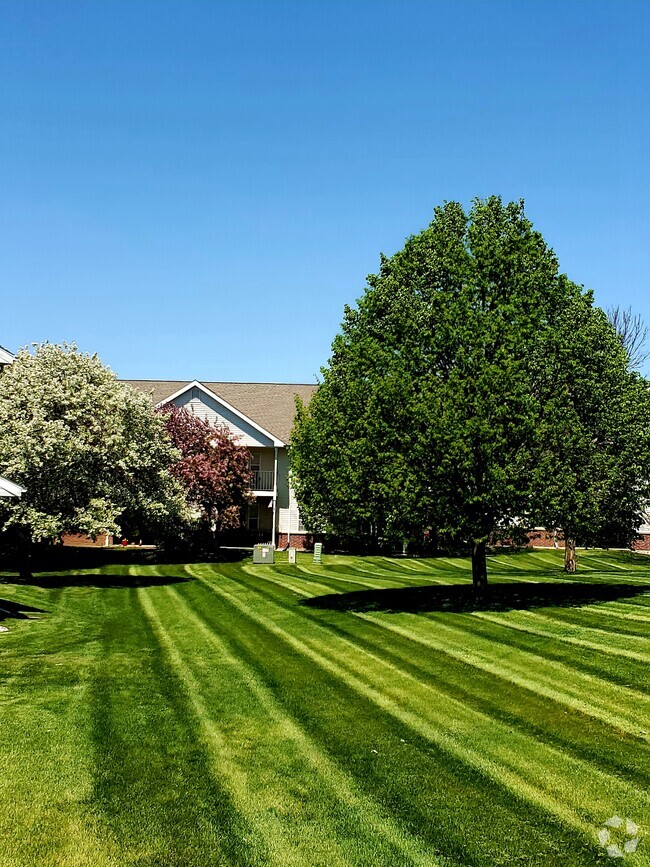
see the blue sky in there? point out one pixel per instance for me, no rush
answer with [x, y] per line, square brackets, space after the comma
[195, 189]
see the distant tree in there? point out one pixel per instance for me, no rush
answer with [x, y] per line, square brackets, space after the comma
[593, 471]
[213, 470]
[632, 332]
[88, 449]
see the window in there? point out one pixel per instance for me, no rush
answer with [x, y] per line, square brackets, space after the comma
[253, 517]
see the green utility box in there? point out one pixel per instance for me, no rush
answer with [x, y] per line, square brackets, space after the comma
[263, 554]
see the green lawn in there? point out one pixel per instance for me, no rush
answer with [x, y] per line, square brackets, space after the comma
[363, 712]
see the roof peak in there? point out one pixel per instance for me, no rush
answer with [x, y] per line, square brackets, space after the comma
[269, 405]
[223, 381]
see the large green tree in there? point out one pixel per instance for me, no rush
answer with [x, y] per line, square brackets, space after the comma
[428, 415]
[89, 450]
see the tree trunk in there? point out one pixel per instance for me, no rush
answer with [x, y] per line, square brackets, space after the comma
[569, 555]
[25, 574]
[479, 568]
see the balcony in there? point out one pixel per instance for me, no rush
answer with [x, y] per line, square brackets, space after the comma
[262, 480]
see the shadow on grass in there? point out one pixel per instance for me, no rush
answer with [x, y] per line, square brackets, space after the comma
[61, 558]
[17, 610]
[102, 580]
[461, 598]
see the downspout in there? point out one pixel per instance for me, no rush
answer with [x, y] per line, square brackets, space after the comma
[275, 493]
[289, 514]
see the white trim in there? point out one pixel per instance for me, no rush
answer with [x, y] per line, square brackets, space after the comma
[196, 384]
[5, 356]
[10, 489]
[275, 495]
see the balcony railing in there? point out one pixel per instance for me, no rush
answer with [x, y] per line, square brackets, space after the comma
[262, 480]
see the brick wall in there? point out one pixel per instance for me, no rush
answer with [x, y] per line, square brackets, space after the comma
[79, 540]
[542, 539]
[299, 541]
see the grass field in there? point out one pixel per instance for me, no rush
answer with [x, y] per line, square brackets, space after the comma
[362, 712]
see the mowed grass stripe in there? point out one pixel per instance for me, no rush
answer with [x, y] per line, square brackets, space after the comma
[511, 699]
[362, 815]
[600, 562]
[305, 581]
[376, 569]
[345, 579]
[286, 581]
[152, 783]
[287, 577]
[585, 735]
[591, 564]
[618, 706]
[263, 837]
[272, 789]
[529, 621]
[616, 670]
[604, 621]
[284, 577]
[470, 818]
[46, 765]
[610, 638]
[574, 791]
[626, 610]
[501, 565]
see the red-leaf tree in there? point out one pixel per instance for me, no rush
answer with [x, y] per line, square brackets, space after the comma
[214, 471]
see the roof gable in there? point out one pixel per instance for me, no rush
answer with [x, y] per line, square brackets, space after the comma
[269, 406]
[240, 425]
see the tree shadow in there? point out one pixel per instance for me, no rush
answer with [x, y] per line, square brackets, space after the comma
[17, 610]
[61, 558]
[460, 598]
[102, 581]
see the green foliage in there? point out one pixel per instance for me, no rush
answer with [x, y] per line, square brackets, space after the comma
[593, 466]
[442, 407]
[424, 415]
[89, 450]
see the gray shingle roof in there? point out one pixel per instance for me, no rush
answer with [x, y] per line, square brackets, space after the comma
[271, 405]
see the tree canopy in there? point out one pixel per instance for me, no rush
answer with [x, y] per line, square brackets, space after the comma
[89, 450]
[592, 468]
[434, 411]
[212, 468]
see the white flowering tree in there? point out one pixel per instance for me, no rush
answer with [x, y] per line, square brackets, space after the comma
[88, 449]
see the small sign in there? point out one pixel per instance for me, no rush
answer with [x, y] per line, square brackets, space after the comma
[318, 552]
[291, 552]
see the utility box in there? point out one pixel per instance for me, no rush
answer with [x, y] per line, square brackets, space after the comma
[318, 552]
[263, 554]
[291, 556]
